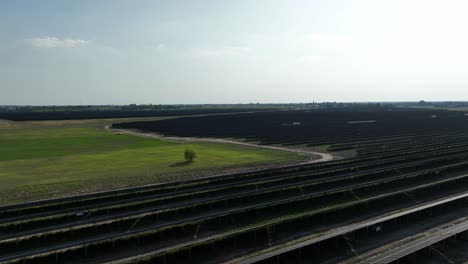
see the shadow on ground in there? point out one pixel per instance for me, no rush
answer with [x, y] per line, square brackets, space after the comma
[181, 164]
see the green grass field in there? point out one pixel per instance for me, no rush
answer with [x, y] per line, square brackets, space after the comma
[57, 158]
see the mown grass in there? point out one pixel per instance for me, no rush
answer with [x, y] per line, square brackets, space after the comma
[57, 158]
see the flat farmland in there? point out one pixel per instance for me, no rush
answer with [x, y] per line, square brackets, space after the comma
[403, 193]
[56, 158]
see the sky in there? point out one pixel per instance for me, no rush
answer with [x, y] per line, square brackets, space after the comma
[59, 52]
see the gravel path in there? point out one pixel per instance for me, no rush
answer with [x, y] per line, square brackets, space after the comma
[316, 156]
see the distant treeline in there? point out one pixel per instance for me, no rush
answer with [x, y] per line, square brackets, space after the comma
[71, 112]
[134, 107]
[31, 113]
[19, 115]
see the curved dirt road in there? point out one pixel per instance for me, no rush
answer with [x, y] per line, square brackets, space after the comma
[321, 156]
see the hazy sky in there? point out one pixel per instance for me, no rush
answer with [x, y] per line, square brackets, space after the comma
[240, 51]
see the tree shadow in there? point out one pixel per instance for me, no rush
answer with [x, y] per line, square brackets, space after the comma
[181, 164]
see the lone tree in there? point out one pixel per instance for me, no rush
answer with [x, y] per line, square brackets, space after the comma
[189, 155]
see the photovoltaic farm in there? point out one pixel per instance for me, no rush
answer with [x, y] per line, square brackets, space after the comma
[396, 191]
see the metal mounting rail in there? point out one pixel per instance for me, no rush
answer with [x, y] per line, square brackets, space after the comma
[309, 240]
[416, 245]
